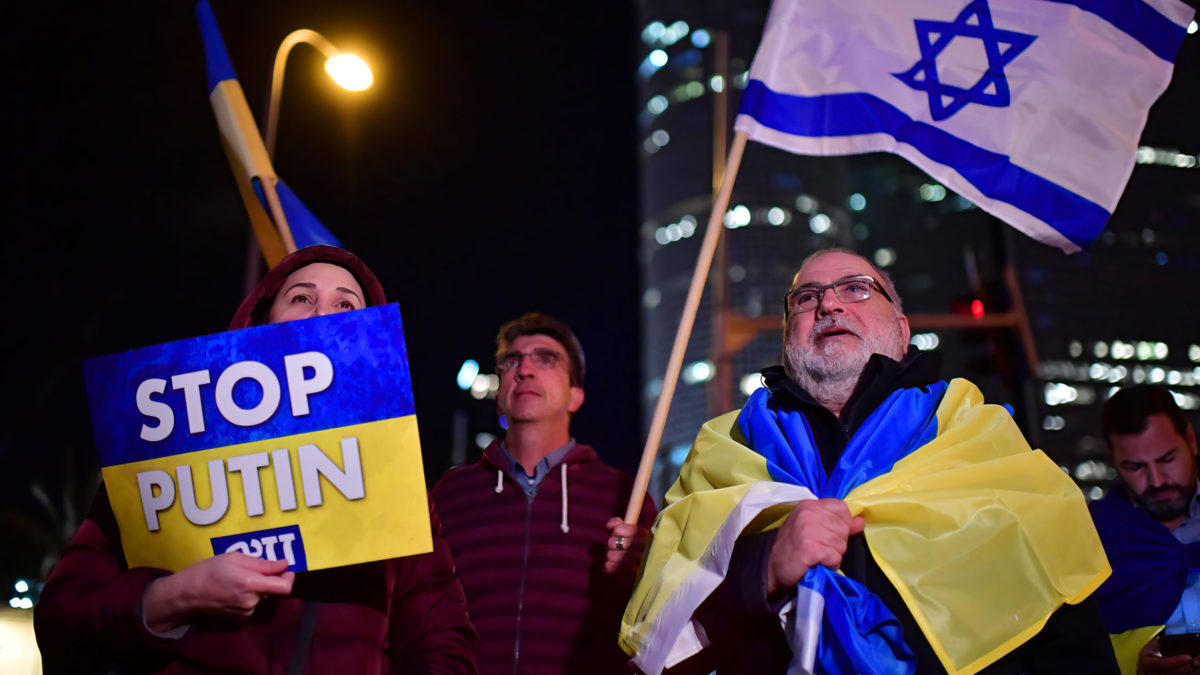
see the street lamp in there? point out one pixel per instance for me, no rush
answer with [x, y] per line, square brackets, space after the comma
[347, 70]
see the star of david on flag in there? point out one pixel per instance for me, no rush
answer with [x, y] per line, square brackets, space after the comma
[1000, 46]
[1031, 109]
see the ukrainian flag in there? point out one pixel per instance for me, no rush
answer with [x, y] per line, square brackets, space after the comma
[953, 498]
[256, 179]
[1150, 572]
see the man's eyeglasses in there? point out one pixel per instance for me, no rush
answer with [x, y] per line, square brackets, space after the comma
[848, 290]
[543, 359]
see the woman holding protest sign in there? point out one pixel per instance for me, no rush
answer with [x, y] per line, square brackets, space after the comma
[233, 612]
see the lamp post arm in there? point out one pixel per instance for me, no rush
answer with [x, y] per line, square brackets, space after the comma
[294, 38]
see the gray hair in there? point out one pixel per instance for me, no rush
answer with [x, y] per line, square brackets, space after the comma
[884, 278]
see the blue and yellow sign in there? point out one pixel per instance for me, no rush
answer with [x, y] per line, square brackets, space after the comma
[292, 441]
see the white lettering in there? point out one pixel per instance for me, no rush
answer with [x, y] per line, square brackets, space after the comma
[257, 547]
[156, 409]
[151, 504]
[248, 466]
[300, 388]
[190, 384]
[158, 490]
[240, 547]
[269, 545]
[286, 539]
[220, 494]
[314, 463]
[247, 417]
[285, 487]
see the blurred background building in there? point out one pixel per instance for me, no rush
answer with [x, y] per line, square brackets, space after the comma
[1116, 314]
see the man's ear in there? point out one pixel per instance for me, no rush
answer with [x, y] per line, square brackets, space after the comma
[904, 332]
[576, 399]
[1191, 438]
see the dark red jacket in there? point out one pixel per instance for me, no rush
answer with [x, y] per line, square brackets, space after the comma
[539, 596]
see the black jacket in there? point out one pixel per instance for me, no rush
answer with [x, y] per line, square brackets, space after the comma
[742, 624]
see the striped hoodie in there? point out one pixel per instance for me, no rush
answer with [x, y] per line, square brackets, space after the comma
[532, 568]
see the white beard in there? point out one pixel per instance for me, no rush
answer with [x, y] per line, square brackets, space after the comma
[830, 371]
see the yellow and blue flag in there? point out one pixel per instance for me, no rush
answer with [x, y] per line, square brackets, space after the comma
[952, 496]
[293, 441]
[1150, 572]
[248, 157]
[1128, 645]
[1032, 109]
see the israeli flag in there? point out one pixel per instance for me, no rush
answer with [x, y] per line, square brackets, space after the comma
[1032, 109]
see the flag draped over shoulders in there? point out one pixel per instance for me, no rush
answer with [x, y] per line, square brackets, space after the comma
[1032, 109]
[1149, 572]
[953, 499]
[1150, 566]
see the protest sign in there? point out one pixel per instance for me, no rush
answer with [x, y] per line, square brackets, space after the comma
[295, 441]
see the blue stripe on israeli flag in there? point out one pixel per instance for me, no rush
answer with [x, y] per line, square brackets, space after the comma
[994, 174]
[1141, 21]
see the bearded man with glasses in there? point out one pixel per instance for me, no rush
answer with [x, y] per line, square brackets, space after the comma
[860, 516]
[546, 563]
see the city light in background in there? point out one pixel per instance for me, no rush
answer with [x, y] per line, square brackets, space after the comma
[467, 374]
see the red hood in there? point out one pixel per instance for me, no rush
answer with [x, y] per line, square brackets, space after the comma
[254, 308]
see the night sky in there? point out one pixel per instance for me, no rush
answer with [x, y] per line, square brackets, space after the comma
[489, 171]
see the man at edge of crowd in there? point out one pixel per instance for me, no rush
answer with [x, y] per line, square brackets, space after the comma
[854, 457]
[1149, 522]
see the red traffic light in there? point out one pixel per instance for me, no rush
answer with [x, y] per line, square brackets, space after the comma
[968, 305]
[977, 309]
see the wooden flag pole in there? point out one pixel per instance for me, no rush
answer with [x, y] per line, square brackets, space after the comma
[675, 364]
[276, 209]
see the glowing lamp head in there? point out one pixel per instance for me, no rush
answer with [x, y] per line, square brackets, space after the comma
[349, 71]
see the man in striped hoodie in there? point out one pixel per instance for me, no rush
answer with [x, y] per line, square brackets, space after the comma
[546, 563]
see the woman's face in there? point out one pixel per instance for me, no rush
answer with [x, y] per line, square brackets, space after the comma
[316, 290]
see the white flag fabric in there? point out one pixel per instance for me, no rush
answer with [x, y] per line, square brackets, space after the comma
[1032, 109]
